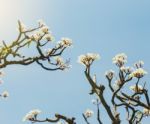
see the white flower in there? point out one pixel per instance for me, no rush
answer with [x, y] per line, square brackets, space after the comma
[27, 117]
[66, 42]
[5, 94]
[146, 111]
[139, 88]
[88, 113]
[116, 86]
[35, 112]
[88, 58]
[22, 27]
[36, 36]
[31, 115]
[48, 51]
[60, 62]
[94, 78]
[138, 73]
[109, 74]
[44, 29]
[120, 59]
[49, 37]
[118, 82]
[130, 102]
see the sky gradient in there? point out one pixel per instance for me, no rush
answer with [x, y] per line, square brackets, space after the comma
[106, 27]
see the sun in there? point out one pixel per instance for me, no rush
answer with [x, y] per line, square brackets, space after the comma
[7, 9]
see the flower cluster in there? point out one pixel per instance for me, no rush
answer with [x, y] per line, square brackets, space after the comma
[118, 83]
[109, 74]
[120, 59]
[42, 32]
[138, 73]
[36, 36]
[31, 115]
[88, 58]
[66, 42]
[49, 37]
[88, 113]
[146, 111]
[137, 88]
[60, 62]
[45, 29]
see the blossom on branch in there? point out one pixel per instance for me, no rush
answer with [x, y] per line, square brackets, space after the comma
[49, 37]
[31, 115]
[22, 27]
[36, 36]
[138, 73]
[40, 37]
[48, 51]
[88, 58]
[146, 111]
[88, 113]
[60, 62]
[118, 83]
[94, 78]
[66, 42]
[120, 59]
[109, 74]
[45, 29]
[5, 94]
[119, 98]
[137, 88]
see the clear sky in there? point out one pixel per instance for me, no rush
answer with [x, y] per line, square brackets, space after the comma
[106, 27]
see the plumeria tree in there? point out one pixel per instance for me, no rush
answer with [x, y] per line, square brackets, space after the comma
[136, 103]
[41, 39]
[128, 90]
[47, 54]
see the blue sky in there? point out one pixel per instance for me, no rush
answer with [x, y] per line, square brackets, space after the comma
[105, 27]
